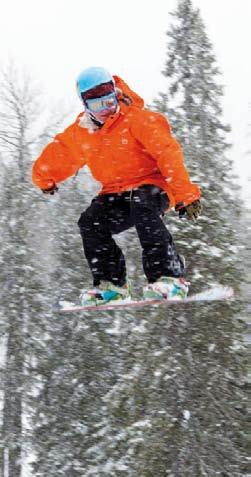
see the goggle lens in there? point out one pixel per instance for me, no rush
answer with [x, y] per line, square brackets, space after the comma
[96, 105]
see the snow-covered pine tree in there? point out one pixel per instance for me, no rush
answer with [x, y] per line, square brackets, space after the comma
[192, 102]
[24, 290]
[18, 287]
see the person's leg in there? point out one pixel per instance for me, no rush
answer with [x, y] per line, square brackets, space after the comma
[108, 214]
[160, 257]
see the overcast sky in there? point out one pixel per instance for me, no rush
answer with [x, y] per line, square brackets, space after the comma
[58, 38]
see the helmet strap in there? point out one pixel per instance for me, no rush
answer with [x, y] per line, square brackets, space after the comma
[95, 120]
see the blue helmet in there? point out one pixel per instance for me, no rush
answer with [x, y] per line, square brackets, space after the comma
[92, 77]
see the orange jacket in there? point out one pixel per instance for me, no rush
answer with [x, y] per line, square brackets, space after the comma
[134, 147]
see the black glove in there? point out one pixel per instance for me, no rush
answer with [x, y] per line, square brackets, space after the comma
[192, 210]
[51, 190]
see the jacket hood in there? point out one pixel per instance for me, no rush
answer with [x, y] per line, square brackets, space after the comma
[128, 93]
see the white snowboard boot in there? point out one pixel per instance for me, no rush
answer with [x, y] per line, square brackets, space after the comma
[166, 288]
[104, 293]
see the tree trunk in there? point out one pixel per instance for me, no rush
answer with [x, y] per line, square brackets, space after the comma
[12, 406]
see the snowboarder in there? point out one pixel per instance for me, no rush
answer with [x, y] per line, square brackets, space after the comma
[132, 153]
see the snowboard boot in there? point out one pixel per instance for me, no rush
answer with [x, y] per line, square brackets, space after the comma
[104, 293]
[166, 288]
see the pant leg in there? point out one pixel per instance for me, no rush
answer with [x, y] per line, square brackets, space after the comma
[108, 214]
[160, 257]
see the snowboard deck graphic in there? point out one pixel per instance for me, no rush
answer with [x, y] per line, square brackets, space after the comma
[217, 293]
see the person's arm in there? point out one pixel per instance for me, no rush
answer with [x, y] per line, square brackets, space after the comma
[58, 161]
[154, 133]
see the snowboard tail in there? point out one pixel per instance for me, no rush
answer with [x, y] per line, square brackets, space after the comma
[218, 293]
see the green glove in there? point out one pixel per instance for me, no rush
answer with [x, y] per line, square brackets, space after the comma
[192, 210]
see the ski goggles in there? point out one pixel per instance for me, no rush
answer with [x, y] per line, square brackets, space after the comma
[95, 105]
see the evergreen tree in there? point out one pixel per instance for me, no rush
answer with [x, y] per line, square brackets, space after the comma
[22, 292]
[17, 114]
[192, 102]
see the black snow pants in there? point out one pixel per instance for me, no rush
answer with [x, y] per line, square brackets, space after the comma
[110, 214]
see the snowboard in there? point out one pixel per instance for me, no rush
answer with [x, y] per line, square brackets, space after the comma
[217, 293]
